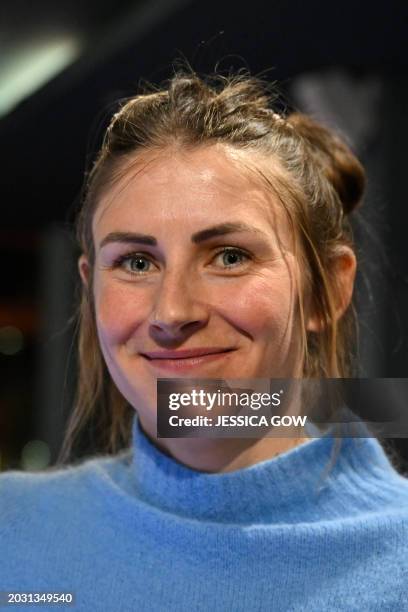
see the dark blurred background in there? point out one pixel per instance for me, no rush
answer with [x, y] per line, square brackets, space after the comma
[63, 65]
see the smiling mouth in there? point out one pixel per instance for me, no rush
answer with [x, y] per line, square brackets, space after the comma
[180, 363]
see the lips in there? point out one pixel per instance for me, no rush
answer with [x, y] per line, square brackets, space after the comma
[190, 361]
[186, 353]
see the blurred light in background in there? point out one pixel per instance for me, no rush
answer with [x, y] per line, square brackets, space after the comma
[26, 68]
[35, 455]
[11, 340]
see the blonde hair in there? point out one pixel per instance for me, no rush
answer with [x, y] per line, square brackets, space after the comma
[321, 183]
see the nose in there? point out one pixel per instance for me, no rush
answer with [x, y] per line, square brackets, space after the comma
[178, 310]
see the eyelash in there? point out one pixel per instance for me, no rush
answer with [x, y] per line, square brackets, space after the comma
[136, 255]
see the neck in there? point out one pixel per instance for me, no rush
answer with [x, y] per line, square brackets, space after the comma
[218, 455]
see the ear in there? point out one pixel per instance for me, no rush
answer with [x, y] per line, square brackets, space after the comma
[84, 269]
[345, 266]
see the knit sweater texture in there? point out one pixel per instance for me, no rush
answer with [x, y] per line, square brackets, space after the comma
[141, 532]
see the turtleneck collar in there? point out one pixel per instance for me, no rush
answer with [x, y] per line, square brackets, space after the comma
[301, 484]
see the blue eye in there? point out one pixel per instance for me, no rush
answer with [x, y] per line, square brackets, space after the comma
[131, 263]
[232, 254]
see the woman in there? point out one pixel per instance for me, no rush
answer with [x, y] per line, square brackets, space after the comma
[215, 243]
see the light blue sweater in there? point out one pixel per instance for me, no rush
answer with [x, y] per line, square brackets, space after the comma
[142, 532]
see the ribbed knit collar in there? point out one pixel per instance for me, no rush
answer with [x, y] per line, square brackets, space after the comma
[294, 486]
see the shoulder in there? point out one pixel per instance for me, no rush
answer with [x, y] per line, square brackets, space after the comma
[25, 495]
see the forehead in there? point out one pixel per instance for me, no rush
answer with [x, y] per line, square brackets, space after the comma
[194, 188]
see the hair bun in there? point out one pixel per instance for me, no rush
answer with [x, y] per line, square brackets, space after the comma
[340, 165]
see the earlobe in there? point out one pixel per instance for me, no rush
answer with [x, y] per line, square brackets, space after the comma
[83, 268]
[314, 325]
[344, 276]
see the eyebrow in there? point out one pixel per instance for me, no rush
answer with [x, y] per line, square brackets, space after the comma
[201, 236]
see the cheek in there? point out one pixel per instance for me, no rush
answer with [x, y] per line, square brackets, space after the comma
[262, 305]
[119, 311]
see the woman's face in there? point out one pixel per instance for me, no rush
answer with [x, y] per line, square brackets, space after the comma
[192, 254]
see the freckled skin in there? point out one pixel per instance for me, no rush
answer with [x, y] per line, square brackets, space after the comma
[189, 297]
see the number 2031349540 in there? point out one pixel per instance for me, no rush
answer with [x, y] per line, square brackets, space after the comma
[10, 598]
